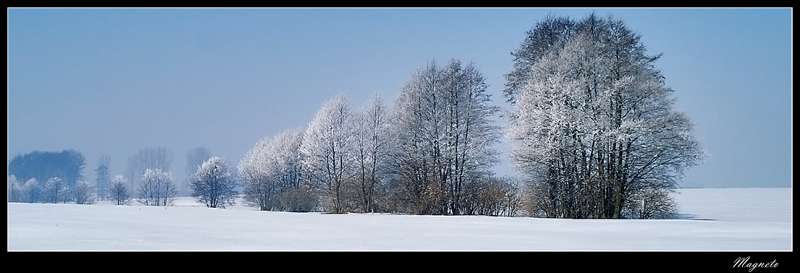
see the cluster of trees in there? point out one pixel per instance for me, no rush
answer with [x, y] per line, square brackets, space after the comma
[47, 177]
[54, 190]
[57, 177]
[428, 153]
[592, 127]
[67, 165]
[150, 181]
[155, 158]
[273, 176]
[445, 134]
[592, 124]
[157, 188]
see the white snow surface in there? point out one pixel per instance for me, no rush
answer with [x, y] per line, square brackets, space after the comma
[754, 219]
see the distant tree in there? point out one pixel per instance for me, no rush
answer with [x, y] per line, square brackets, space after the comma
[118, 190]
[194, 159]
[67, 165]
[55, 190]
[148, 158]
[212, 183]
[66, 195]
[82, 193]
[157, 188]
[327, 150]
[32, 191]
[103, 177]
[15, 190]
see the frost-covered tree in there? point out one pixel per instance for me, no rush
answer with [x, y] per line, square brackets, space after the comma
[444, 129]
[15, 190]
[327, 149]
[157, 188]
[32, 191]
[148, 158]
[296, 193]
[102, 176]
[273, 169]
[552, 32]
[82, 193]
[258, 189]
[212, 184]
[373, 147]
[593, 126]
[55, 190]
[118, 190]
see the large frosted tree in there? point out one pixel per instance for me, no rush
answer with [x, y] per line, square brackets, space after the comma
[327, 149]
[373, 147]
[593, 125]
[445, 134]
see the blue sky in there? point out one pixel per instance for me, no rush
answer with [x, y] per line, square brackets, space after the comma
[113, 81]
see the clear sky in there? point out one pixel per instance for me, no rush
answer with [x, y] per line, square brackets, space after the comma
[114, 81]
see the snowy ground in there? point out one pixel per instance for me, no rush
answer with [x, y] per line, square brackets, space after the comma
[713, 220]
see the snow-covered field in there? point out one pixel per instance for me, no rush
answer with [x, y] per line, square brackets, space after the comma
[758, 219]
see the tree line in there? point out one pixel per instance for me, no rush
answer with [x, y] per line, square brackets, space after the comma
[428, 152]
[56, 177]
[42, 176]
[592, 129]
